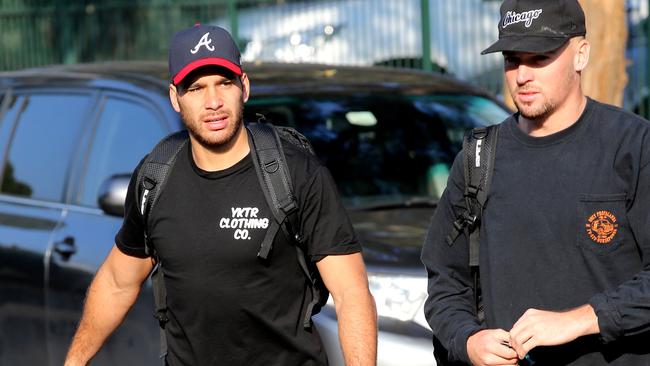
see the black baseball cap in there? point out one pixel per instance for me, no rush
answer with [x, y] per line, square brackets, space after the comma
[202, 45]
[538, 26]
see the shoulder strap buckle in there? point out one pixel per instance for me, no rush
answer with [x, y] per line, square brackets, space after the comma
[472, 191]
[479, 133]
[161, 316]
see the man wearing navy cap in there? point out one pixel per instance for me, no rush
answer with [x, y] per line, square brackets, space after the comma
[225, 306]
[564, 241]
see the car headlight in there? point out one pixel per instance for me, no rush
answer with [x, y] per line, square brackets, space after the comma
[399, 297]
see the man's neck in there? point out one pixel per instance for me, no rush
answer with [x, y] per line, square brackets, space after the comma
[214, 159]
[562, 118]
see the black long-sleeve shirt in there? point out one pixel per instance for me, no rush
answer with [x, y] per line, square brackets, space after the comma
[567, 223]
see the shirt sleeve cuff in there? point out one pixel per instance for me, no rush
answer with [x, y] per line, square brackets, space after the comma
[608, 318]
[131, 251]
[343, 249]
[460, 342]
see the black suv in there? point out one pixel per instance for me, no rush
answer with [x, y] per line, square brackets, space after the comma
[71, 135]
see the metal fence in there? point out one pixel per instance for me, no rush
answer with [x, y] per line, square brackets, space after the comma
[376, 32]
[47, 32]
[344, 32]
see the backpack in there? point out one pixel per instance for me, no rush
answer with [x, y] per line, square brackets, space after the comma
[479, 150]
[274, 177]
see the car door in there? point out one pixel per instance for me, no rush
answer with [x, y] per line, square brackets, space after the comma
[127, 127]
[39, 139]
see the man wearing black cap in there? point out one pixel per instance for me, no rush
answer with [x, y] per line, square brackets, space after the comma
[564, 242]
[224, 305]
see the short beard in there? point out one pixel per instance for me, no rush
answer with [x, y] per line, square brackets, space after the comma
[215, 144]
[541, 113]
[537, 114]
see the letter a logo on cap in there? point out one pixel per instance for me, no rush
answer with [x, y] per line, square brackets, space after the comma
[204, 41]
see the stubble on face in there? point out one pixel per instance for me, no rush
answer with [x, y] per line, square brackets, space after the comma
[534, 112]
[232, 110]
[211, 140]
[538, 112]
[552, 89]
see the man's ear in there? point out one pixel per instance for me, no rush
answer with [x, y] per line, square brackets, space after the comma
[245, 87]
[173, 97]
[581, 58]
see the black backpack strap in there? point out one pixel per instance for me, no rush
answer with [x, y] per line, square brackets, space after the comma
[275, 180]
[479, 165]
[160, 303]
[151, 180]
[479, 150]
[153, 174]
[273, 173]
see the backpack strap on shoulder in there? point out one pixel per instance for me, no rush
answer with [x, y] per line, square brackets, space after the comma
[151, 180]
[273, 174]
[153, 174]
[479, 149]
[478, 176]
[275, 179]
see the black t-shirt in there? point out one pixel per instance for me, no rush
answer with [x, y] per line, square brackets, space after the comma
[566, 223]
[226, 306]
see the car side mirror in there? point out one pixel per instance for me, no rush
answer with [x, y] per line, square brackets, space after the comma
[112, 194]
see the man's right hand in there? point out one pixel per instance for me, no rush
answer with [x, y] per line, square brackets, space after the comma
[490, 347]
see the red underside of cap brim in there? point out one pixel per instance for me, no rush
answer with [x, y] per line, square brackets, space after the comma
[205, 62]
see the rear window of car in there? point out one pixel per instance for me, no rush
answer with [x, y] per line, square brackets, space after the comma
[383, 145]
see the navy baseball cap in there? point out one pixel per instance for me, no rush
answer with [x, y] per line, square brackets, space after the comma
[538, 26]
[202, 45]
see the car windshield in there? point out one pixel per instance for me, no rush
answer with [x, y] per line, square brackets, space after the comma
[383, 148]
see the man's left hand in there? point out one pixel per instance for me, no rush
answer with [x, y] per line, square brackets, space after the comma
[550, 328]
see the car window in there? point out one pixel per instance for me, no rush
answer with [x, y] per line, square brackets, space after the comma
[383, 145]
[127, 131]
[43, 144]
